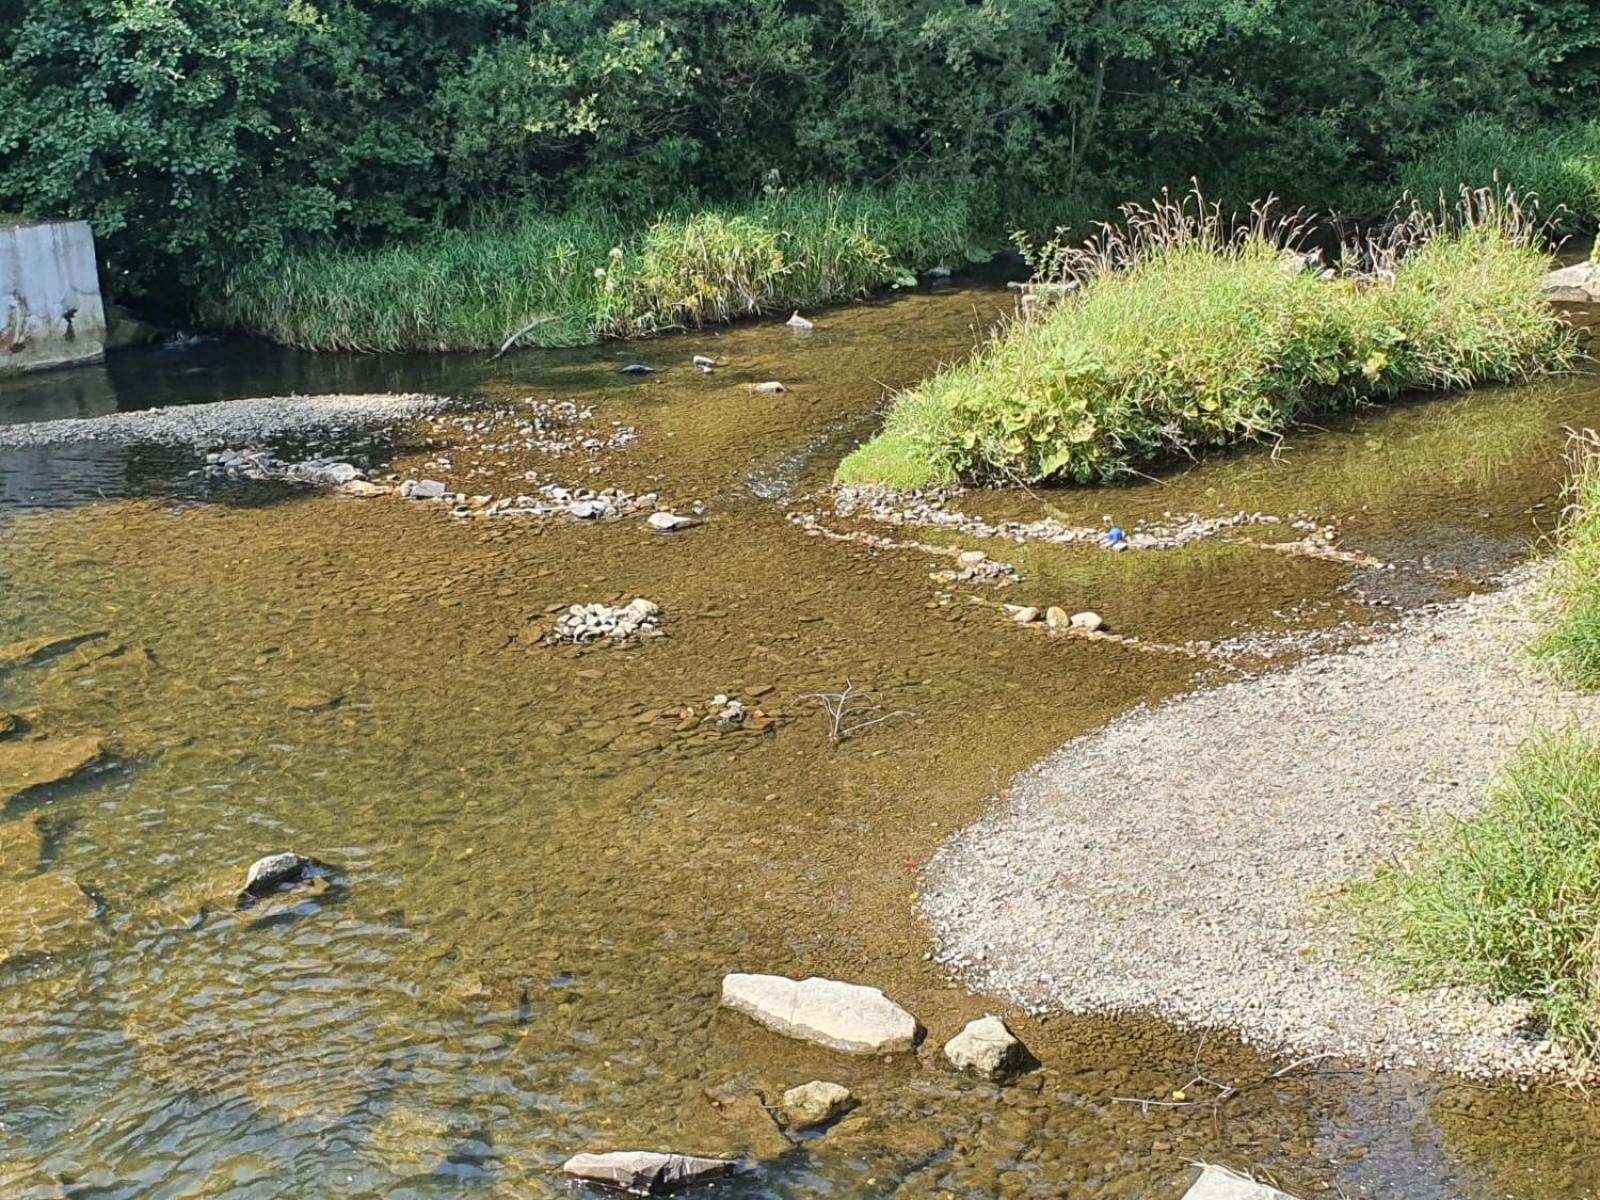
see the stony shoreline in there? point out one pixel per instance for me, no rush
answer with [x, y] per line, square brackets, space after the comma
[1181, 860]
[228, 422]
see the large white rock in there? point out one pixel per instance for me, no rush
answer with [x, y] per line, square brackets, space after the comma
[645, 1173]
[987, 1048]
[1219, 1183]
[841, 1016]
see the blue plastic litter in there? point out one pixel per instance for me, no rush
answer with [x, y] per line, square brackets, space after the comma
[1115, 534]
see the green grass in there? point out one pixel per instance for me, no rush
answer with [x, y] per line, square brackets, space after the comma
[1561, 167]
[583, 276]
[1189, 332]
[1570, 645]
[1508, 900]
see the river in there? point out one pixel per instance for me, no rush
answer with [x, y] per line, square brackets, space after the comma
[545, 860]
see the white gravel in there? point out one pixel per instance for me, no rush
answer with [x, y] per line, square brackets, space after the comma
[227, 422]
[1180, 860]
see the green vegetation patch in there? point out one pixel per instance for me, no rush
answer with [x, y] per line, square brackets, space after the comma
[1189, 330]
[1570, 645]
[1560, 166]
[568, 279]
[1510, 899]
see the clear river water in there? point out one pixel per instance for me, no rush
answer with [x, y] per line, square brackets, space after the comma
[544, 859]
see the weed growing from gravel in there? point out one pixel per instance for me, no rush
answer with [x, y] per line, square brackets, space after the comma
[1509, 899]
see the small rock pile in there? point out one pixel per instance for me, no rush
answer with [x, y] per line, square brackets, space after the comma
[263, 464]
[553, 427]
[584, 623]
[977, 567]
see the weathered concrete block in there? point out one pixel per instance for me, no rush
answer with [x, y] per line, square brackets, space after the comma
[50, 310]
[843, 1016]
[1219, 1183]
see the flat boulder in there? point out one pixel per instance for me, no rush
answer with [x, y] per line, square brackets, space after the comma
[986, 1048]
[1579, 284]
[21, 848]
[30, 764]
[1219, 1183]
[842, 1016]
[20, 654]
[43, 914]
[644, 1173]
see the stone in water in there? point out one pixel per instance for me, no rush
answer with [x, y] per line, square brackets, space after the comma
[842, 1016]
[770, 388]
[665, 522]
[267, 873]
[986, 1048]
[1089, 622]
[644, 1173]
[816, 1103]
[1219, 1183]
[799, 322]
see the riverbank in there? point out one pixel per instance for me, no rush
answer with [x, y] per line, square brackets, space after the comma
[1186, 859]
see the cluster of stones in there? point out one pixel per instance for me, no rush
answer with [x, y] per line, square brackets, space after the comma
[262, 464]
[847, 1017]
[728, 712]
[583, 623]
[977, 567]
[551, 427]
[930, 509]
[1056, 619]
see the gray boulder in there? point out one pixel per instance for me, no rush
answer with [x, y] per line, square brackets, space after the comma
[644, 1173]
[421, 489]
[842, 1016]
[987, 1048]
[274, 870]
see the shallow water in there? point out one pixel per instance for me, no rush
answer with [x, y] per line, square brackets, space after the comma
[544, 865]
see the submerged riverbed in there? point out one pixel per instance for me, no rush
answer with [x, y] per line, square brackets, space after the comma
[546, 858]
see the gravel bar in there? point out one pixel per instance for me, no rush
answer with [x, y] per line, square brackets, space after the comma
[1180, 860]
[227, 422]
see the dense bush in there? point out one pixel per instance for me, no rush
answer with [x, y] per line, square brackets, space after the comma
[1184, 332]
[197, 134]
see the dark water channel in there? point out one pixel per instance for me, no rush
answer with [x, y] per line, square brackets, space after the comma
[545, 861]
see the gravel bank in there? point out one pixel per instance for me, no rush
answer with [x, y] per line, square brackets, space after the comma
[227, 422]
[1176, 861]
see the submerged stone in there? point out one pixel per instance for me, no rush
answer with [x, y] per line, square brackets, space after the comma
[816, 1103]
[43, 914]
[666, 522]
[21, 848]
[842, 1016]
[27, 765]
[644, 1173]
[1089, 622]
[21, 1180]
[9, 723]
[267, 874]
[770, 388]
[986, 1048]
[20, 654]
[1219, 1183]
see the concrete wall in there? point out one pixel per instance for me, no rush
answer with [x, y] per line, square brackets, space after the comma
[50, 310]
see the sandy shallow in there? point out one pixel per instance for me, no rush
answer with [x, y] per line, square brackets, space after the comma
[227, 422]
[1180, 860]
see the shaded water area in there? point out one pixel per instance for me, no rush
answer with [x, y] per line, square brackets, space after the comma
[545, 860]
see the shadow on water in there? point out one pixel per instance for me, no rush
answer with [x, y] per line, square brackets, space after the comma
[547, 858]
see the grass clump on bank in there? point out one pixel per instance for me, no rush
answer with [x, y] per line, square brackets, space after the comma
[1560, 166]
[1184, 329]
[1570, 645]
[1508, 900]
[571, 278]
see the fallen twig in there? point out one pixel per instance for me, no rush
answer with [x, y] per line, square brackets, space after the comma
[851, 711]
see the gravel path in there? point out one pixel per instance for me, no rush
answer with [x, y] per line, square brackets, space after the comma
[1175, 861]
[227, 422]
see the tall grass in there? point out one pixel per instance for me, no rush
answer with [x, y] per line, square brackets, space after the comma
[1561, 166]
[1186, 328]
[578, 276]
[1571, 642]
[1508, 900]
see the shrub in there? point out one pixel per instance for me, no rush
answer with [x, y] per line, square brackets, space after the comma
[1187, 329]
[1508, 900]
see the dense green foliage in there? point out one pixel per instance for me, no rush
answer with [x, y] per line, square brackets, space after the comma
[1183, 333]
[198, 135]
[1561, 166]
[1509, 899]
[572, 278]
